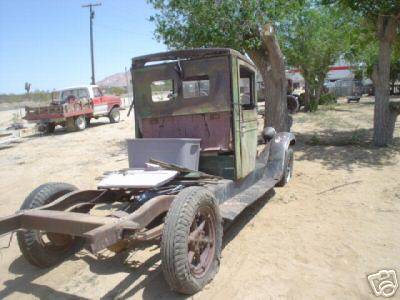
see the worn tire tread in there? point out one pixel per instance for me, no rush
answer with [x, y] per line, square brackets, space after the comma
[174, 240]
[40, 196]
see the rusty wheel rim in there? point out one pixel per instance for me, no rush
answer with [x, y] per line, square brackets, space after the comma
[201, 242]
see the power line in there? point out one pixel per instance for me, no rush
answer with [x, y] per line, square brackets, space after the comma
[91, 17]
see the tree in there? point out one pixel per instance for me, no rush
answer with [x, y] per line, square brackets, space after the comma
[313, 40]
[244, 25]
[384, 20]
[27, 87]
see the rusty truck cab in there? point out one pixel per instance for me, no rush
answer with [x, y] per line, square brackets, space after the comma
[200, 93]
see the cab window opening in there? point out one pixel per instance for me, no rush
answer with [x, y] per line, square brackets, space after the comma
[196, 87]
[246, 87]
[162, 90]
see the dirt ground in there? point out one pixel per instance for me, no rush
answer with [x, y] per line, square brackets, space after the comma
[317, 238]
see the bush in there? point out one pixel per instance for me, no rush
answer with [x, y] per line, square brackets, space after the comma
[327, 98]
[313, 104]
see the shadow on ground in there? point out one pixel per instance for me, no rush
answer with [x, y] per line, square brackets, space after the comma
[153, 286]
[24, 284]
[345, 149]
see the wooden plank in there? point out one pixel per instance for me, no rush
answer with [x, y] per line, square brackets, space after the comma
[181, 169]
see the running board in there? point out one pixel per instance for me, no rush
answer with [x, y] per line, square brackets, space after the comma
[231, 208]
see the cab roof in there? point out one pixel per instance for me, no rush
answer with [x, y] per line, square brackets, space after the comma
[140, 61]
[76, 87]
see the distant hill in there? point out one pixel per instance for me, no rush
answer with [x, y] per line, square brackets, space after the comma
[115, 80]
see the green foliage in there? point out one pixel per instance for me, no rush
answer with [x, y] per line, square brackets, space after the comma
[314, 40]
[363, 37]
[225, 23]
[315, 140]
[369, 8]
[395, 68]
[313, 104]
[327, 99]
[36, 96]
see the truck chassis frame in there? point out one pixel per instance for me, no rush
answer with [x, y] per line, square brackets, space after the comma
[67, 214]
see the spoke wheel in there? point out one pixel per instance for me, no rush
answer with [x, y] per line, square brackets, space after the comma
[192, 240]
[201, 242]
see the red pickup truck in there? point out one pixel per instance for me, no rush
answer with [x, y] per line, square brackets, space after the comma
[73, 108]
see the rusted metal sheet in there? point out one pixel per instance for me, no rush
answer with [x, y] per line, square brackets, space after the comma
[140, 61]
[248, 136]
[212, 128]
[236, 117]
[235, 205]
[216, 69]
[244, 119]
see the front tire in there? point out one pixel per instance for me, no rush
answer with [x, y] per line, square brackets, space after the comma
[287, 168]
[114, 115]
[45, 249]
[191, 241]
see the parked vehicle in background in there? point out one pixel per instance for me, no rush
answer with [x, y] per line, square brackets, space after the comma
[356, 92]
[73, 108]
[293, 104]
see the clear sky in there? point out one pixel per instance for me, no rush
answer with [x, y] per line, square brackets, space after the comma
[46, 42]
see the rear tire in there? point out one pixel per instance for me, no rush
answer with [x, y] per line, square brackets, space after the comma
[50, 127]
[80, 123]
[287, 168]
[44, 249]
[191, 241]
[292, 104]
[114, 115]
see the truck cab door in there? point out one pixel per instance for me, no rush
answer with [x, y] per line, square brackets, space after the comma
[100, 106]
[245, 117]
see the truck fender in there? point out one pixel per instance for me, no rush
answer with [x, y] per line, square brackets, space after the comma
[277, 151]
[111, 106]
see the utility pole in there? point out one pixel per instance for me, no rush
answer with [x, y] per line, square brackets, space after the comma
[91, 5]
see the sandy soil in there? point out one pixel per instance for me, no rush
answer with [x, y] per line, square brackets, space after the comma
[317, 238]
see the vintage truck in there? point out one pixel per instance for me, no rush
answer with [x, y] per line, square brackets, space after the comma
[194, 164]
[73, 108]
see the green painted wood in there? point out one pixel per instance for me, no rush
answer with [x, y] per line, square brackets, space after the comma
[219, 165]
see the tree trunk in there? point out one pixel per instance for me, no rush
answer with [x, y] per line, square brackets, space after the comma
[271, 65]
[383, 128]
[318, 91]
[307, 96]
